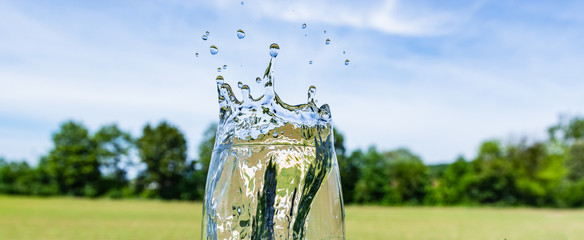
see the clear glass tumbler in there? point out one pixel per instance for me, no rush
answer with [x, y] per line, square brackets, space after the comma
[273, 172]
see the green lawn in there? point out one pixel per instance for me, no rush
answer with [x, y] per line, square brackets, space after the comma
[67, 218]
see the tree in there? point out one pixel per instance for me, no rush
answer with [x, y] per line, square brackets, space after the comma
[195, 174]
[372, 168]
[348, 168]
[453, 184]
[113, 148]
[163, 150]
[73, 161]
[407, 178]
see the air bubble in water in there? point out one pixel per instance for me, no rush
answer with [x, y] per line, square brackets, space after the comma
[240, 84]
[310, 62]
[240, 34]
[213, 49]
[258, 80]
[304, 26]
[205, 37]
[274, 49]
[327, 41]
[224, 66]
[347, 62]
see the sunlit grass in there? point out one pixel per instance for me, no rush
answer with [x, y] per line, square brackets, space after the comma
[68, 218]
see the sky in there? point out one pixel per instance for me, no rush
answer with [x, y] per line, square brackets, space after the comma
[438, 78]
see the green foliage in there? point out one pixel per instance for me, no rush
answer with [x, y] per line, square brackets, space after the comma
[73, 161]
[163, 150]
[524, 173]
[348, 168]
[112, 148]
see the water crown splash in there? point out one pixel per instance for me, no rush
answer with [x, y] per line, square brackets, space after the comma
[274, 173]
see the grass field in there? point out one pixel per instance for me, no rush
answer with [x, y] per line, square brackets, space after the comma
[68, 218]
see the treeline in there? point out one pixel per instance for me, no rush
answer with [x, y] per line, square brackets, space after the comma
[547, 173]
[94, 165]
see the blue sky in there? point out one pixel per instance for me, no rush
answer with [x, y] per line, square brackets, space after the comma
[436, 78]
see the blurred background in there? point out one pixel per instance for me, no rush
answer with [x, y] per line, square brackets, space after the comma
[464, 103]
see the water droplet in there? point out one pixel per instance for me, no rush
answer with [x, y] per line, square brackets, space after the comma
[327, 41]
[311, 93]
[347, 62]
[275, 134]
[240, 84]
[324, 31]
[241, 3]
[240, 34]
[196, 54]
[213, 49]
[309, 62]
[218, 69]
[343, 52]
[258, 80]
[219, 79]
[274, 49]
[205, 37]
[224, 66]
[305, 34]
[207, 33]
[238, 208]
[304, 26]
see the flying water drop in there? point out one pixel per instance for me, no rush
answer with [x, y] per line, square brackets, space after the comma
[310, 62]
[327, 41]
[324, 31]
[240, 84]
[196, 54]
[274, 49]
[205, 37]
[258, 80]
[213, 49]
[241, 3]
[343, 52]
[219, 79]
[311, 93]
[346, 62]
[240, 34]
[304, 26]
[224, 66]
[218, 69]
[207, 33]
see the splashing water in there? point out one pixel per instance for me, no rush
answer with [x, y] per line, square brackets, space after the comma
[274, 49]
[273, 172]
[213, 49]
[240, 34]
